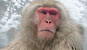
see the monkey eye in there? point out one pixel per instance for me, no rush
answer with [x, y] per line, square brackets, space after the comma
[52, 13]
[43, 12]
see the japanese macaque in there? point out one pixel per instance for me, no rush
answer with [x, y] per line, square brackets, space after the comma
[46, 25]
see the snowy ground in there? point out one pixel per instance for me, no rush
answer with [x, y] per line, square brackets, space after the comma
[10, 16]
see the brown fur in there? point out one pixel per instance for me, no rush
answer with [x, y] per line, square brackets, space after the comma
[68, 36]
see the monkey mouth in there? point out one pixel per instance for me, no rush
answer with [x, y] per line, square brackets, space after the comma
[48, 30]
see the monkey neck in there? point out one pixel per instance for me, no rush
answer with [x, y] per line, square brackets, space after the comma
[33, 43]
[32, 40]
[42, 45]
[38, 44]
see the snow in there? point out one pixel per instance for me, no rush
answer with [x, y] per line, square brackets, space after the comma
[11, 23]
[74, 7]
[5, 0]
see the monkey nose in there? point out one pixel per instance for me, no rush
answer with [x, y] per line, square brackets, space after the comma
[48, 22]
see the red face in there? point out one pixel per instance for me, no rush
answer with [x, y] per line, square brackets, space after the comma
[47, 17]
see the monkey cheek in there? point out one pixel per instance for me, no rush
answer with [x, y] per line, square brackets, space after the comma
[45, 35]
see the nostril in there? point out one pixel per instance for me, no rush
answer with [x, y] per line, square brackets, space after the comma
[48, 22]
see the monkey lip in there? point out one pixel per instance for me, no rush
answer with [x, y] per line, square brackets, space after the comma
[48, 30]
[46, 34]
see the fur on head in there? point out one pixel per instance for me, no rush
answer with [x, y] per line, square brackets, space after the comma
[65, 31]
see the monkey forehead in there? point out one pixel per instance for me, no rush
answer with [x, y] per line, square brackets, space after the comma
[47, 8]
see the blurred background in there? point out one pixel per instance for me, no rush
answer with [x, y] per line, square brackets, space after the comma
[10, 15]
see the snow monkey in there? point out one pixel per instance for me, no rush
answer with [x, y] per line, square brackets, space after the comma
[46, 25]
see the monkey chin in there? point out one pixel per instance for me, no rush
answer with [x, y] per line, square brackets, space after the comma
[45, 35]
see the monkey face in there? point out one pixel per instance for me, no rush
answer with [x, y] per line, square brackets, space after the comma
[47, 16]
